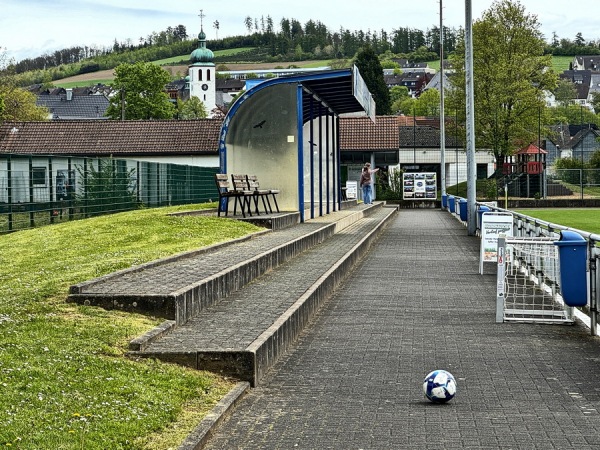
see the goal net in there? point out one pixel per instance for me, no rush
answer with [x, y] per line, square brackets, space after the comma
[528, 287]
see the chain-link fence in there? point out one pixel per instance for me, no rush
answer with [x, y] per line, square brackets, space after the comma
[38, 190]
[573, 183]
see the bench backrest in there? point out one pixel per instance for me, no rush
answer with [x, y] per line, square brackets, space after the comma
[253, 183]
[239, 182]
[222, 182]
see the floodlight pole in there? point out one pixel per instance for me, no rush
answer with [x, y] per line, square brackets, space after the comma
[442, 118]
[470, 123]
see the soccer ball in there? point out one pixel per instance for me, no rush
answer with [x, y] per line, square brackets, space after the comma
[439, 386]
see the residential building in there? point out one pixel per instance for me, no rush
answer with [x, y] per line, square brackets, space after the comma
[572, 141]
[415, 82]
[74, 104]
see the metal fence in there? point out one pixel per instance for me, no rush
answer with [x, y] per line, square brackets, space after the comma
[40, 190]
[573, 183]
[529, 227]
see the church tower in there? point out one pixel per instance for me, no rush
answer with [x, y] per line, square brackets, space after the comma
[202, 73]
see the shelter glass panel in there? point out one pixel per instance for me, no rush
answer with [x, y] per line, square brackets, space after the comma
[262, 140]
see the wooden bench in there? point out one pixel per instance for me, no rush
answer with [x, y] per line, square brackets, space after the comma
[240, 187]
[254, 186]
[225, 193]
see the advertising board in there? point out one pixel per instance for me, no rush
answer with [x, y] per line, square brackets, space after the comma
[493, 224]
[419, 185]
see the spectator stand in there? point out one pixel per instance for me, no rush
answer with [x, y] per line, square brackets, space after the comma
[286, 132]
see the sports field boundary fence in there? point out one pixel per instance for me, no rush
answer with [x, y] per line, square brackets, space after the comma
[530, 228]
[40, 190]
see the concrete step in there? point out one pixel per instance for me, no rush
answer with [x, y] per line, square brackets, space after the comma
[179, 287]
[245, 333]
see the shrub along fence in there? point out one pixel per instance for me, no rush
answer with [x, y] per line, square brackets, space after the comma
[39, 190]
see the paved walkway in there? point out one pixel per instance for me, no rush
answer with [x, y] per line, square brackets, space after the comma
[414, 304]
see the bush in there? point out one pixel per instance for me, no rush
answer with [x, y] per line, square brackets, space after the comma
[569, 170]
[389, 185]
[106, 188]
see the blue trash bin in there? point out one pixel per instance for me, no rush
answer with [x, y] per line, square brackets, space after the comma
[480, 212]
[451, 205]
[572, 256]
[462, 209]
[444, 200]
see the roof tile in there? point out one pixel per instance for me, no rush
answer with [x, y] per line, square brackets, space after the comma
[360, 133]
[110, 137]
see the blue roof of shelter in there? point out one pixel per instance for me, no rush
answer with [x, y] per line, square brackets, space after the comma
[335, 88]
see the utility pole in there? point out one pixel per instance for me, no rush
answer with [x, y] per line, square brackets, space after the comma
[470, 124]
[442, 119]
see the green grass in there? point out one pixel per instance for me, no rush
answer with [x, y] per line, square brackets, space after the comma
[561, 63]
[64, 380]
[184, 59]
[233, 51]
[588, 190]
[434, 64]
[584, 219]
[84, 83]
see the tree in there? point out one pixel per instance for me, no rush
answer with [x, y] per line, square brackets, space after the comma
[594, 163]
[192, 109]
[565, 92]
[398, 96]
[141, 93]
[19, 105]
[572, 114]
[406, 106]
[596, 102]
[107, 188]
[511, 74]
[398, 93]
[428, 103]
[248, 24]
[16, 104]
[371, 71]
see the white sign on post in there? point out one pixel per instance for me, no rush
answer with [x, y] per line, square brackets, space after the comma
[493, 224]
[351, 189]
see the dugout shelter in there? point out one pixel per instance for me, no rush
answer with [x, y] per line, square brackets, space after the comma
[286, 131]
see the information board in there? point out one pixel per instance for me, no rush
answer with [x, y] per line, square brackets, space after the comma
[419, 185]
[351, 189]
[493, 224]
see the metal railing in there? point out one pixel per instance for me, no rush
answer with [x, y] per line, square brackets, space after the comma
[530, 227]
[40, 190]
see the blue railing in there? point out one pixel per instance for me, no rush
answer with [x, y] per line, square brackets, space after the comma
[527, 226]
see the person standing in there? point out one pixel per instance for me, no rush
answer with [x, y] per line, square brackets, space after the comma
[365, 183]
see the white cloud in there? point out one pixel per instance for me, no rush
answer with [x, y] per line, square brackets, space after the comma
[33, 27]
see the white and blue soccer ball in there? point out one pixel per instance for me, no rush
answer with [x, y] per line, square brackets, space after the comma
[439, 386]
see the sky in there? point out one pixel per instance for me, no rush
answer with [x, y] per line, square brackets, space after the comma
[30, 28]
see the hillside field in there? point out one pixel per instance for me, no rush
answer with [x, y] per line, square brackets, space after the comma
[559, 64]
[107, 76]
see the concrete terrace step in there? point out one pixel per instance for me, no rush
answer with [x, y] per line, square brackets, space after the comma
[244, 334]
[179, 287]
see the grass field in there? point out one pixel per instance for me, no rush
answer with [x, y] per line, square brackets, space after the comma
[64, 378]
[584, 219]
[560, 63]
